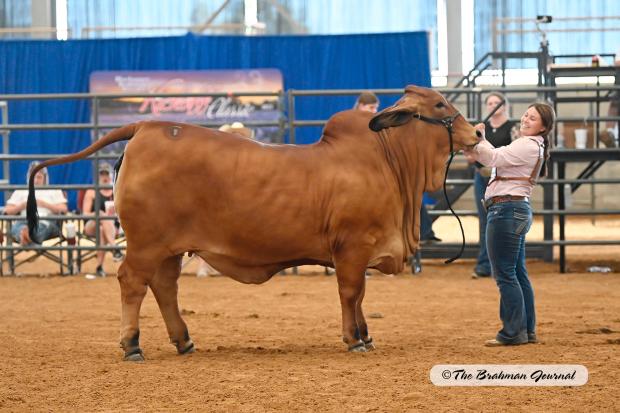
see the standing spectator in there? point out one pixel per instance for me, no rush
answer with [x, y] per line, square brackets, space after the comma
[368, 102]
[49, 202]
[107, 228]
[509, 218]
[499, 131]
[427, 235]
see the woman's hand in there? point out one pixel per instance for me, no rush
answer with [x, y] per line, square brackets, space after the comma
[469, 155]
[480, 128]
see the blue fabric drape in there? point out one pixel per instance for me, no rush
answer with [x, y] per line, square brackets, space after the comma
[307, 62]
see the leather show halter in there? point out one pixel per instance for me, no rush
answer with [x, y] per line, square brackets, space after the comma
[447, 123]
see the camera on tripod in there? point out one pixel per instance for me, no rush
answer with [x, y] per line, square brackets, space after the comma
[544, 19]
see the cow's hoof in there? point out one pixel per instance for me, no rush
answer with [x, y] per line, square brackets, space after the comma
[188, 349]
[369, 344]
[358, 348]
[135, 355]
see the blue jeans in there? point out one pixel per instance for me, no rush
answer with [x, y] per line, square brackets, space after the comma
[483, 266]
[426, 224]
[507, 224]
[46, 230]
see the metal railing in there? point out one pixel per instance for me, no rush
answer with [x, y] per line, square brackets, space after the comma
[52, 32]
[472, 111]
[94, 126]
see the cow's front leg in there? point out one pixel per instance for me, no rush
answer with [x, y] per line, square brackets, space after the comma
[351, 279]
[165, 288]
[361, 320]
[133, 290]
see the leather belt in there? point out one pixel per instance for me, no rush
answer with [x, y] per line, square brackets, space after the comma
[504, 198]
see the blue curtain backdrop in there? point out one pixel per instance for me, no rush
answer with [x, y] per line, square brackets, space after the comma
[307, 62]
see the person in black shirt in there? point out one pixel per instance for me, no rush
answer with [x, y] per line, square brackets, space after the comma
[499, 131]
[107, 228]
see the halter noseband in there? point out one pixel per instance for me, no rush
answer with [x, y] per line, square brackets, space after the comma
[445, 122]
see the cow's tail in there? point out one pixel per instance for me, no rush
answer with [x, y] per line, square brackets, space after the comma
[121, 134]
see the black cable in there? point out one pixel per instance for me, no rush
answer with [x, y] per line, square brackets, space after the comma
[495, 109]
[445, 194]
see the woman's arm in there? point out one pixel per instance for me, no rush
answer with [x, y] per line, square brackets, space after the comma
[87, 202]
[16, 203]
[516, 154]
[14, 209]
[57, 208]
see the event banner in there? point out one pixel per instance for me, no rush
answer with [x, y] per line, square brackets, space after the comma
[200, 110]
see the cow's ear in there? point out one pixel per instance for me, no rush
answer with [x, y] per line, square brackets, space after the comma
[389, 119]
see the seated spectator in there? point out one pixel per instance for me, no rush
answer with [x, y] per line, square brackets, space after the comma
[238, 128]
[49, 202]
[107, 228]
[368, 102]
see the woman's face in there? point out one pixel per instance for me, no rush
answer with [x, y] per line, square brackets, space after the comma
[104, 178]
[492, 102]
[39, 178]
[531, 123]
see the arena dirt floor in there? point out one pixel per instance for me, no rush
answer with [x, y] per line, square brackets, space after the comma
[276, 346]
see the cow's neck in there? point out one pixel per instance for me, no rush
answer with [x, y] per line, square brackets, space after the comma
[410, 169]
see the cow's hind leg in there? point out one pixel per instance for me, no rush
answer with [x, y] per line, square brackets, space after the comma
[350, 273]
[361, 320]
[165, 288]
[133, 289]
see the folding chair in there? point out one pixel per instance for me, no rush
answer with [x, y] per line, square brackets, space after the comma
[19, 256]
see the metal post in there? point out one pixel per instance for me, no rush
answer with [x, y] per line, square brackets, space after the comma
[291, 116]
[96, 206]
[291, 132]
[6, 172]
[561, 217]
[282, 118]
[503, 71]
[548, 195]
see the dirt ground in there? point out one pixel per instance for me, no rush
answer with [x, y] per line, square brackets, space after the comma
[276, 346]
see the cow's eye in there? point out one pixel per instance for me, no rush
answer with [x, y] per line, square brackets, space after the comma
[440, 105]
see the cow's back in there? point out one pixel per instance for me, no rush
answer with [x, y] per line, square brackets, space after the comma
[191, 188]
[186, 188]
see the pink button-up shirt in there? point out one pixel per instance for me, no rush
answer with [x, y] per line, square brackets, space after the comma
[515, 160]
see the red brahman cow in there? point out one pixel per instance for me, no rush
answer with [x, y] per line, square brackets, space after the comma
[352, 201]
